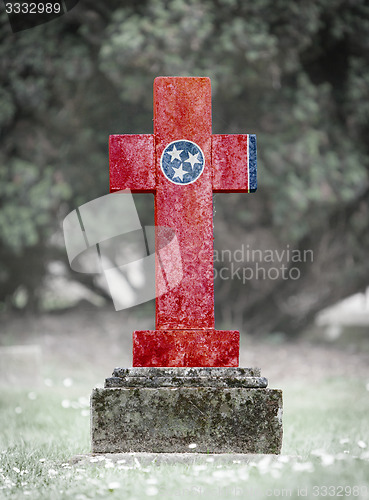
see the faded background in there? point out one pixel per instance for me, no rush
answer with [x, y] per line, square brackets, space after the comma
[296, 74]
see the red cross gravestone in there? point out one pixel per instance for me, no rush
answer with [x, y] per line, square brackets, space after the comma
[185, 391]
[183, 164]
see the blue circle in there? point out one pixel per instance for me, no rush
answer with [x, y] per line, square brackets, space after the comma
[182, 162]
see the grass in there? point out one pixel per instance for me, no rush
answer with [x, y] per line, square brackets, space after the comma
[325, 451]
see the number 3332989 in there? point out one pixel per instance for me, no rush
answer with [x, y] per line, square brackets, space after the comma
[33, 8]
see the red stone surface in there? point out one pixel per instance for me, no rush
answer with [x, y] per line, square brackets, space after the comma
[168, 262]
[185, 334]
[131, 160]
[185, 348]
[182, 110]
[230, 163]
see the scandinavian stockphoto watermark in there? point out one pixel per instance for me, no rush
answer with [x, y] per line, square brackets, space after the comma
[246, 263]
[135, 263]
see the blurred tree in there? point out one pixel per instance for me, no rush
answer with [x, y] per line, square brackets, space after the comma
[295, 74]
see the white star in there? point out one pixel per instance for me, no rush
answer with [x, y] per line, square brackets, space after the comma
[192, 159]
[175, 154]
[179, 172]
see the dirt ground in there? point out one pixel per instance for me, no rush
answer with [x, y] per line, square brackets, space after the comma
[88, 342]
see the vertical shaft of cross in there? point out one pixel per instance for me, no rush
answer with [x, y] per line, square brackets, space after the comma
[182, 110]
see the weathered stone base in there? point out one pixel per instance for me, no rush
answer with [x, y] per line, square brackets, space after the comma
[172, 417]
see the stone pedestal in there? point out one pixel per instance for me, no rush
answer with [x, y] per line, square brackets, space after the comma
[170, 410]
[183, 348]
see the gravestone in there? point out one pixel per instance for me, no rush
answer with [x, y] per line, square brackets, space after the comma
[185, 391]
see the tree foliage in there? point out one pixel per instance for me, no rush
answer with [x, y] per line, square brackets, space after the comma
[296, 74]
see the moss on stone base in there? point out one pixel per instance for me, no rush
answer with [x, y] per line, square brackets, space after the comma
[165, 419]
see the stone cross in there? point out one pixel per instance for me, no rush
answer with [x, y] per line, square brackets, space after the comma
[183, 164]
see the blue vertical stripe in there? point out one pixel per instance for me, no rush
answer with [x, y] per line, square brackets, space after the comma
[252, 164]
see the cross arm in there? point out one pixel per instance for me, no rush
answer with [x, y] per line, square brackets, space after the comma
[234, 163]
[132, 163]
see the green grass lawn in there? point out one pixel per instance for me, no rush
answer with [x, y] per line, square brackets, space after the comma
[325, 451]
